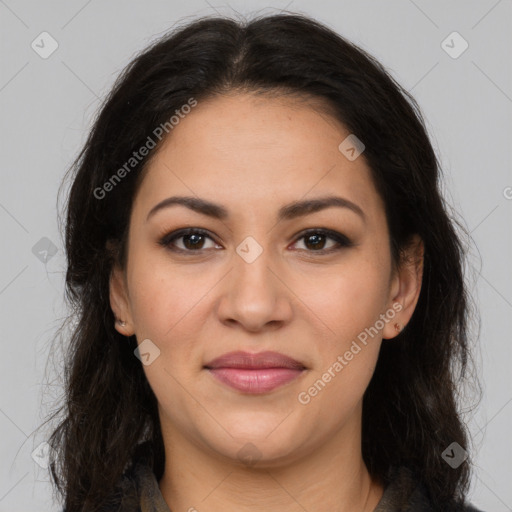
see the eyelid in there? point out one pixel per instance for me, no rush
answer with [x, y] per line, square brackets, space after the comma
[179, 233]
[342, 240]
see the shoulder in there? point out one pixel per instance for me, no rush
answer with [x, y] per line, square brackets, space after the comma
[421, 502]
[470, 508]
[138, 488]
[404, 493]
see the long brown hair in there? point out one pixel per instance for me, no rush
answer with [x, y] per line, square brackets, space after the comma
[410, 412]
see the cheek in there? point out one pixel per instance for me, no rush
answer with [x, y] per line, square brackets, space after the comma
[159, 294]
[153, 306]
[167, 309]
[349, 304]
[352, 299]
[170, 307]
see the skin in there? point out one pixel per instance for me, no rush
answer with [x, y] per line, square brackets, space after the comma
[253, 155]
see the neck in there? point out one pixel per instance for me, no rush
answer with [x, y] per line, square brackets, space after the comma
[333, 477]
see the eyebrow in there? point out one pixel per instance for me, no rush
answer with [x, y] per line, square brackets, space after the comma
[287, 212]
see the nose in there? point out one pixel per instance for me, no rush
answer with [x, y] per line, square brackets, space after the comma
[254, 295]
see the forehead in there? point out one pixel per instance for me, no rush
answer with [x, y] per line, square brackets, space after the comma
[256, 151]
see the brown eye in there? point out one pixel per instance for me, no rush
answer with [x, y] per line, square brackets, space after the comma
[315, 240]
[189, 240]
[194, 239]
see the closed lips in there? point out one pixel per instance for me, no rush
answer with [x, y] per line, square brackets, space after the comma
[246, 360]
[255, 373]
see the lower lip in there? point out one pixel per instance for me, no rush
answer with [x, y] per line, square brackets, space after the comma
[255, 381]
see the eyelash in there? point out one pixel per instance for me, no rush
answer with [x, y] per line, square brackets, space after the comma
[342, 240]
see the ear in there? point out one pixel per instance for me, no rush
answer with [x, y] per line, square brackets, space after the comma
[405, 287]
[119, 301]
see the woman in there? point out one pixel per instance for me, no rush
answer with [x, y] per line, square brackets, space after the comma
[268, 288]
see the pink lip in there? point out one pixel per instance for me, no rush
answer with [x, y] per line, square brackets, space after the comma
[255, 373]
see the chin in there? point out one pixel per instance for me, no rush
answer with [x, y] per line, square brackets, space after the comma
[256, 448]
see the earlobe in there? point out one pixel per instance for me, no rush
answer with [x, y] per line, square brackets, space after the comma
[119, 302]
[406, 287]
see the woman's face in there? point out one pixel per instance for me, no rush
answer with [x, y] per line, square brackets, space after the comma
[252, 280]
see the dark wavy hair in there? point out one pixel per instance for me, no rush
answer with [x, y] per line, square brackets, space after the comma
[410, 410]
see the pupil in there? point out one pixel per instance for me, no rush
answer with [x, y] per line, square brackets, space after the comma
[190, 238]
[315, 243]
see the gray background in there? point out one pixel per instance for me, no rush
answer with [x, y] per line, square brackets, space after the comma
[47, 110]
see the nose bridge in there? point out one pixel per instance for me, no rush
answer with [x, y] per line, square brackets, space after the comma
[252, 261]
[254, 296]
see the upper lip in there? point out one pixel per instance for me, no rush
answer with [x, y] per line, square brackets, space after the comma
[247, 360]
